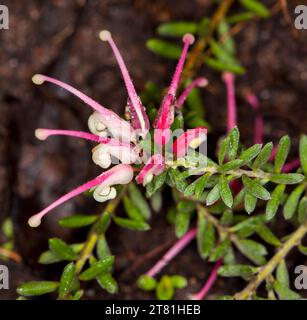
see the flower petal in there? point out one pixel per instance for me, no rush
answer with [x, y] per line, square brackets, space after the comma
[154, 166]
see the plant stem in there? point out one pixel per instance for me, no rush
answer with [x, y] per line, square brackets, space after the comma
[267, 270]
[93, 234]
[172, 252]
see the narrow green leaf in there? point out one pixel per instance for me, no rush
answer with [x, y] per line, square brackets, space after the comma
[37, 288]
[177, 179]
[182, 222]
[61, 249]
[223, 150]
[303, 153]
[137, 198]
[205, 236]
[156, 201]
[67, 280]
[156, 183]
[231, 165]
[287, 178]
[164, 48]
[97, 268]
[77, 221]
[222, 54]
[250, 153]
[220, 251]
[252, 250]
[241, 17]
[225, 191]
[131, 210]
[213, 195]
[177, 29]
[257, 7]
[165, 289]
[102, 248]
[238, 270]
[108, 283]
[302, 210]
[219, 65]
[146, 283]
[284, 293]
[263, 156]
[225, 37]
[282, 153]
[249, 202]
[292, 201]
[179, 282]
[131, 224]
[267, 235]
[282, 275]
[274, 202]
[255, 188]
[234, 137]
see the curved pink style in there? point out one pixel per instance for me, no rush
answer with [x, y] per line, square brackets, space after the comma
[111, 119]
[120, 174]
[259, 125]
[191, 138]
[229, 79]
[198, 82]
[165, 115]
[139, 119]
[154, 166]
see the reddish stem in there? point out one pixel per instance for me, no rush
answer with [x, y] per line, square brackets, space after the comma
[172, 252]
[229, 80]
[211, 280]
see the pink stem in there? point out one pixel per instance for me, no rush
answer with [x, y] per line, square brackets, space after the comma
[229, 79]
[258, 131]
[211, 280]
[188, 39]
[199, 82]
[172, 252]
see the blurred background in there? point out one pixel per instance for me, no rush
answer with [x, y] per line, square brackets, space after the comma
[60, 38]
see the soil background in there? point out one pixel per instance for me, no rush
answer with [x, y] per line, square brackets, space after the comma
[60, 38]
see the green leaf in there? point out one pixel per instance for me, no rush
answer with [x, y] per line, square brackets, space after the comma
[223, 150]
[213, 195]
[37, 288]
[77, 295]
[255, 188]
[182, 222]
[177, 179]
[156, 183]
[241, 17]
[49, 257]
[234, 137]
[237, 270]
[205, 236]
[284, 293]
[61, 249]
[225, 37]
[303, 250]
[164, 48]
[225, 191]
[177, 29]
[67, 280]
[303, 153]
[292, 201]
[231, 165]
[103, 223]
[282, 153]
[200, 185]
[137, 198]
[156, 201]
[220, 251]
[77, 221]
[165, 289]
[257, 7]
[179, 282]
[263, 156]
[223, 66]
[249, 202]
[274, 202]
[108, 283]
[282, 275]
[102, 248]
[222, 54]
[252, 250]
[267, 235]
[131, 210]
[131, 224]
[146, 283]
[250, 153]
[287, 178]
[97, 268]
[302, 210]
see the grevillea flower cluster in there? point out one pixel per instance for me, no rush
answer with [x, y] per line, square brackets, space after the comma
[118, 139]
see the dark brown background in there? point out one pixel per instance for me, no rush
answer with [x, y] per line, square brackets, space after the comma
[60, 38]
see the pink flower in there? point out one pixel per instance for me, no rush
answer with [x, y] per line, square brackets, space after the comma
[191, 138]
[117, 139]
[120, 174]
